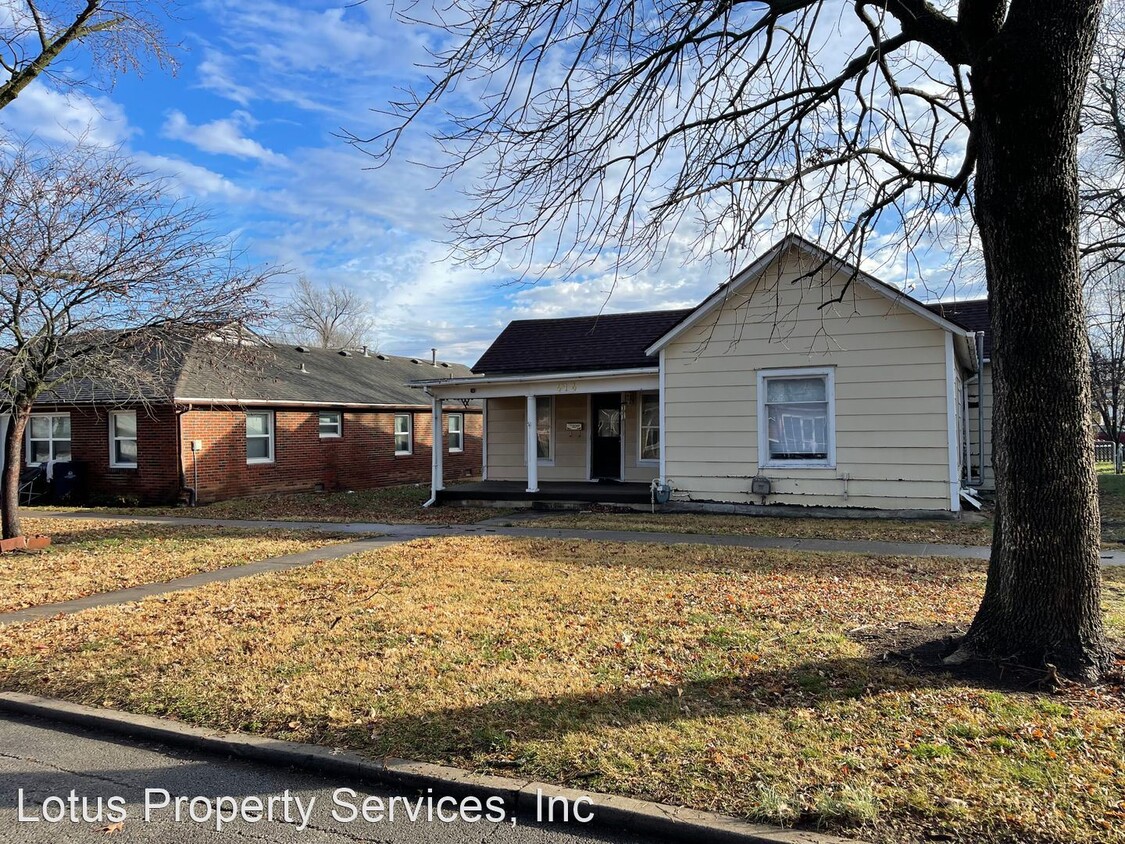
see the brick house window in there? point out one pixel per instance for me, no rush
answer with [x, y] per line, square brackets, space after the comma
[331, 424]
[123, 439]
[259, 436]
[456, 432]
[404, 434]
[48, 438]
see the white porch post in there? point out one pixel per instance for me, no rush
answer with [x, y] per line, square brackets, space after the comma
[437, 470]
[532, 447]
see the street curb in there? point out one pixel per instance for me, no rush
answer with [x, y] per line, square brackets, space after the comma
[671, 822]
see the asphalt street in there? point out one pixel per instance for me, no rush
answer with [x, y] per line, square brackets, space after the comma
[221, 799]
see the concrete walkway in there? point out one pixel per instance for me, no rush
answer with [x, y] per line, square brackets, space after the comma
[396, 534]
[496, 527]
[147, 590]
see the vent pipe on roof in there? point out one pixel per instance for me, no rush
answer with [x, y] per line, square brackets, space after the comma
[301, 368]
[365, 352]
[433, 357]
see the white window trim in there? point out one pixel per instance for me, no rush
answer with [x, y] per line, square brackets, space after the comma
[544, 461]
[270, 436]
[647, 461]
[409, 434]
[27, 437]
[829, 374]
[113, 438]
[449, 431]
[339, 425]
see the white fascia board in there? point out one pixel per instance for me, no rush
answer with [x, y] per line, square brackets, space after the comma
[831, 262]
[548, 384]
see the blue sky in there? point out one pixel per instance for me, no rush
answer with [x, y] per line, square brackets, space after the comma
[248, 127]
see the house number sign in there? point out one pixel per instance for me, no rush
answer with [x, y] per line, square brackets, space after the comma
[566, 386]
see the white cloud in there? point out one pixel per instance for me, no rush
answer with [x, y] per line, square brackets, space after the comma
[193, 180]
[65, 117]
[221, 137]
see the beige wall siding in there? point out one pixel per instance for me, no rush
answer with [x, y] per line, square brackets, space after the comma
[506, 450]
[989, 481]
[892, 446]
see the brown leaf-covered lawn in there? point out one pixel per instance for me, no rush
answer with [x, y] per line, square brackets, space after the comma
[391, 505]
[89, 556]
[883, 530]
[726, 679]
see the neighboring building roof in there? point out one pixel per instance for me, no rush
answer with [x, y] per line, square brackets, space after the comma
[577, 344]
[973, 315]
[214, 371]
[295, 374]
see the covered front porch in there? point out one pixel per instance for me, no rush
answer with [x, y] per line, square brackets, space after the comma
[591, 436]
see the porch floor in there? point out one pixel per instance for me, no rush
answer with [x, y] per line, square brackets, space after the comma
[582, 492]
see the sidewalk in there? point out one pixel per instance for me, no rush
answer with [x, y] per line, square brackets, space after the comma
[490, 528]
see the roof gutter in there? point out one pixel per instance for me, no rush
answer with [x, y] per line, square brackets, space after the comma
[536, 376]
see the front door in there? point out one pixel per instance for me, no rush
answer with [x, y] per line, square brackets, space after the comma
[605, 441]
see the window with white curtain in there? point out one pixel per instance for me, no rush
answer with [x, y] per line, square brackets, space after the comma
[796, 417]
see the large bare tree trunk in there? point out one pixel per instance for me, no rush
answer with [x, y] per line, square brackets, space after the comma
[1043, 599]
[10, 481]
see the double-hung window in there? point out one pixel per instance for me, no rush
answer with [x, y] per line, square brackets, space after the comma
[331, 424]
[404, 434]
[259, 436]
[123, 439]
[650, 426]
[456, 432]
[796, 417]
[48, 438]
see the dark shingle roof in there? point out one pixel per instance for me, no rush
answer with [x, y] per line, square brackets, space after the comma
[259, 372]
[972, 315]
[578, 344]
[321, 376]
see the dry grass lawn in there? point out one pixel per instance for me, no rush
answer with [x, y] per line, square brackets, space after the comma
[726, 679]
[882, 530]
[90, 556]
[391, 505]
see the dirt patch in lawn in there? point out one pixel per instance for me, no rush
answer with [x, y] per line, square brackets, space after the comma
[884, 530]
[91, 556]
[718, 678]
[392, 505]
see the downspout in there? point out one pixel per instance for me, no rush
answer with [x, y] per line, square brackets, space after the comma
[980, 406]
[436, 444]
[193, 490]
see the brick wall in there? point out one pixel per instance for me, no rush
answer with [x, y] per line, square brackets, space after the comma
[362, 458]
[156, 478]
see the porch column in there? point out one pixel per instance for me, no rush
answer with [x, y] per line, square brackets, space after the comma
[437, 470]
[532, 447]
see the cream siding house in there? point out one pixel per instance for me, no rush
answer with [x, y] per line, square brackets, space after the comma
[802, 381]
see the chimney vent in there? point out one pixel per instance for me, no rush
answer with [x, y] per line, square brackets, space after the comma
[301, 368]
[433, 357]
[365, 352]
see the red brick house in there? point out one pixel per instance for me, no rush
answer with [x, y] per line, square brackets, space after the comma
[286, 419]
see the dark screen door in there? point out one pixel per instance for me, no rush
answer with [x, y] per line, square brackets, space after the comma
[605, 427]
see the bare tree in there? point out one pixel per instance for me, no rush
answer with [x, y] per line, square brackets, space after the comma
[102, 278]
[1105, 304]
[603, 127]
[35, 35]
[328, 316]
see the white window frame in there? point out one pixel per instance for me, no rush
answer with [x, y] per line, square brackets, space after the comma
[270, 436]
[113, 438]
[460, 417]
[339, 414]
[544, 461]
[409, 435]
[647, 461]
[51, 438]
[829, 375]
